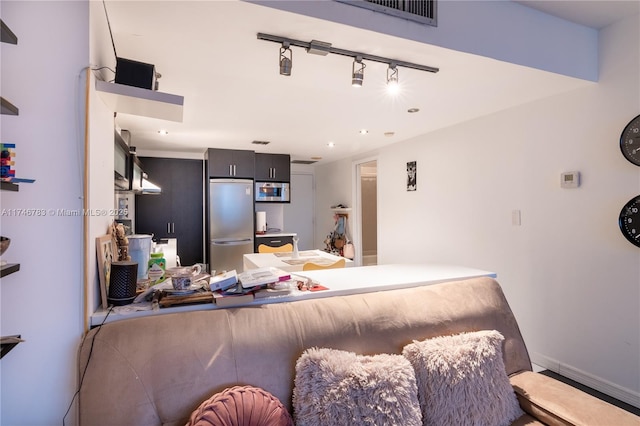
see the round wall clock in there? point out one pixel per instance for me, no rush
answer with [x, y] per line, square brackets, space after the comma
[629, 221]
[630, 141]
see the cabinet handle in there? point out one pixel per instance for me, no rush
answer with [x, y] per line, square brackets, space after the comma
[275, 241]
[173, 228]
[168, 228]
[274, 172]
[230, 169]
[234, 169]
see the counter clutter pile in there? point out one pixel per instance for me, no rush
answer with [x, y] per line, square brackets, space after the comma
[227, 289]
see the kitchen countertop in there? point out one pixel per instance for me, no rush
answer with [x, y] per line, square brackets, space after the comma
[340, 282]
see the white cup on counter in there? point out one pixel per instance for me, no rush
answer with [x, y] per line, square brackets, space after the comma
[181, 278]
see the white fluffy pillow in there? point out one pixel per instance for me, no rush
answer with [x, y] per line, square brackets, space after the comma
[334, 387]
[462, 380]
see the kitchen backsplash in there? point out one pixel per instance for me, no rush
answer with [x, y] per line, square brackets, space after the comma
[275, 215]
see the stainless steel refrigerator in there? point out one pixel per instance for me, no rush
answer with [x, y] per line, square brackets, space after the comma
[231, 229]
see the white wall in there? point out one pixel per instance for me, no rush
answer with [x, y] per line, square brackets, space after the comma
[571, 278]
[43, 75]
[333, 186]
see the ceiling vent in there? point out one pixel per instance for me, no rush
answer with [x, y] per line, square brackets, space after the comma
[261, 142]
[423, 11]
[303, 161]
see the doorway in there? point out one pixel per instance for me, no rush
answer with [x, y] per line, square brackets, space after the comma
[367, 190]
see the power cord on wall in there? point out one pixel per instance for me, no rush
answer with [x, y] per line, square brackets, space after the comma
[75, 395]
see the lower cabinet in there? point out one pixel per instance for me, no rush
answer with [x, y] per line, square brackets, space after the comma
[178, 211]
[274, 241]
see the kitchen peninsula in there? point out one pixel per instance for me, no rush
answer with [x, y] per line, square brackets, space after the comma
[344, 281]
[287, 262]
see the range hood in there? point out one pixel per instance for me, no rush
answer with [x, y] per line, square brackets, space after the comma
[149, 187]
[129, 172]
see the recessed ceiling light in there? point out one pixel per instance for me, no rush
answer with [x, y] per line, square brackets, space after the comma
[331, 144]
[163, 132]
[363, 131]
[412, 110]
[389, 134]
[316, 158]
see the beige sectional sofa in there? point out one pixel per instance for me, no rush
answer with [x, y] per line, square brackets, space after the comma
[156, 370]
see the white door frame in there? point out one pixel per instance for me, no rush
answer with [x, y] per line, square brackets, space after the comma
[356, 221]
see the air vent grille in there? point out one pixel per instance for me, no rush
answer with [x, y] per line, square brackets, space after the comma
[261, 142]
[423, 11]
[303, 161]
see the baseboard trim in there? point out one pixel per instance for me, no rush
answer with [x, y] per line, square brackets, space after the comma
[618, 392]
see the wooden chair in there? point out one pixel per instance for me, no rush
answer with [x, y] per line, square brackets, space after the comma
[310, 266]
[263, 248]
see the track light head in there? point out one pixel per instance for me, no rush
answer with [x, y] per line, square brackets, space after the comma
[392, 79]
[286, 59]
[357, 72]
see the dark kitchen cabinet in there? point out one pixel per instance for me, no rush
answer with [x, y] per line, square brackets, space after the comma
[177, 212]
[273, 241]
[234, 163]
[273, 167]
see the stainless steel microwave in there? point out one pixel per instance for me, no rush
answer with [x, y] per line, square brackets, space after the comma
[272, 192]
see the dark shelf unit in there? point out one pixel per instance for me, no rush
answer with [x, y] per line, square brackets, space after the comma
[8, 108]
[7, 35]
[9, 268]
[8, 186]
[6, 347]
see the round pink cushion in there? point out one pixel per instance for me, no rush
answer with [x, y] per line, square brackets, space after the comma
[241, 406]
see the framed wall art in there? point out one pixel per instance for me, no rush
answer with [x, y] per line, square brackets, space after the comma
[411, 176]
[104, 255]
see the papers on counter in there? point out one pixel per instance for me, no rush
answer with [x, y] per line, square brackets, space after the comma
[262, 276]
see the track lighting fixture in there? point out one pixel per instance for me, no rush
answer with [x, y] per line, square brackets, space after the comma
[323, 48]
[286, 59]
[392, 78]
[357, 72]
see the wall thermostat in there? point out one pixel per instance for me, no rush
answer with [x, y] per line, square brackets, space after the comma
[570, 180]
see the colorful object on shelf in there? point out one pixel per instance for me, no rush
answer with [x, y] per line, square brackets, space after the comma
[7, 171]
[6, 161]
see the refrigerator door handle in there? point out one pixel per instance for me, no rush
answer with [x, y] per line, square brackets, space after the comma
[231, 243]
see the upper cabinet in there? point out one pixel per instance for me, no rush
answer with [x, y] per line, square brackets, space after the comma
[230, 163]
[273, 168]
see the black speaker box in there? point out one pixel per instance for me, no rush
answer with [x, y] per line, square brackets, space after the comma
[134, 73]
[122, 282]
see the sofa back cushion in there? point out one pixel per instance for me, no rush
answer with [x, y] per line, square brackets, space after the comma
[156, 370]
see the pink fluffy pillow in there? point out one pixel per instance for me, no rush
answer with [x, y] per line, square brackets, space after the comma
[462, 380]
[241, 406]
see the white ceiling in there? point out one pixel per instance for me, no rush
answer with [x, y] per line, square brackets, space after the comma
[208, 52]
